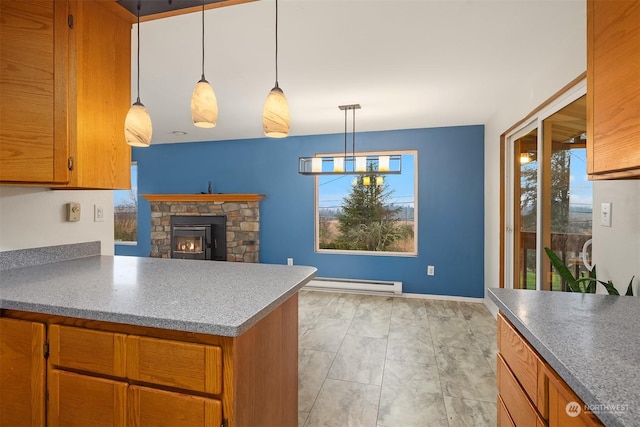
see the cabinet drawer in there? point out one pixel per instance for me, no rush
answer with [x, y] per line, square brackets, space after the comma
[504, 419]
[87, 350]
[159, 408]
[176, 364]
[520, 357]
[518, 406]
[80, 400]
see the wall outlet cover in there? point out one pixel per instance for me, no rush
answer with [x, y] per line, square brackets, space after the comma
[73, 211]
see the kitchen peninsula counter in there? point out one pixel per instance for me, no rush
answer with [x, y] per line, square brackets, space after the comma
[148, 341]
[591, 341]
[221, 298]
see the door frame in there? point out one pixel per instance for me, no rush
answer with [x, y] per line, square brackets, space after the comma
[569, 93]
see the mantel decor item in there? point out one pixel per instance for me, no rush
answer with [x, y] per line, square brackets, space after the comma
[137, 124]
[275, 116]
[361, 164]
[204, 105]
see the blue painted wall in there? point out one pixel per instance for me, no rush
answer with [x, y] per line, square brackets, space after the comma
[450, 201]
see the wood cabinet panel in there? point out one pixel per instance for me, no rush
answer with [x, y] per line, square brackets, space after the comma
[33, 83]
[177, 364]
[520, 358]
[613, 88]
[504, 420]
[80, 400]
[87, 350]
[22, 373]
[518, 406]
[100, 96]
[159, 408]
[565, 408]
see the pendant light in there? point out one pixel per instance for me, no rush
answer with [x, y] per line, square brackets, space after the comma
[204, 105]
[350, 164]
[137, 125]
[275, 116]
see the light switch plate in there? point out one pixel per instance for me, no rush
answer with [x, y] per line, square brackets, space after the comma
[73, 211]
[605, 214]
[98, 213]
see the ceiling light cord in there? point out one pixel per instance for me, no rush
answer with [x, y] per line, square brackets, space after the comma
[203, 79]
[138, 56]
[277, 44]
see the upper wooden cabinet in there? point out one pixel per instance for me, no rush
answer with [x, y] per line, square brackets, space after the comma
[613, 89]
[65, 83]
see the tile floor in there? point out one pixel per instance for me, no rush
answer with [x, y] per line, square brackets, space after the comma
[378, 361]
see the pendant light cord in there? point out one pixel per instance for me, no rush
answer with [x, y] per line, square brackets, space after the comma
[138, 83]
[202, 39]
[276, 43]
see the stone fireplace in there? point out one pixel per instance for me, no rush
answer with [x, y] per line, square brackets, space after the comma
[242, 212]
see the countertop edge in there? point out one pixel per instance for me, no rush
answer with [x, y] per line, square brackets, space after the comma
[589, 399]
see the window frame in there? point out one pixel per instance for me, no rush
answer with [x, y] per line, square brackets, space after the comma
[414, 252]
[128, 242]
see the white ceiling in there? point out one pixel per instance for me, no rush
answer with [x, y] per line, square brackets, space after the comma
[409, 63]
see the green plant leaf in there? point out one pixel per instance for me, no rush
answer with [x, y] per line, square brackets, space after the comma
[562, 270]
[630, 288]
[609, 287]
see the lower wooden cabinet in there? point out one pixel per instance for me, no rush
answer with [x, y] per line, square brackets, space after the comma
[159, 408]
[107, 374]
[530, 393]
[81, 400]
[22, 373]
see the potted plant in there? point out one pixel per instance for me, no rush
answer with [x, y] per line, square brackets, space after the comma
[583, 284]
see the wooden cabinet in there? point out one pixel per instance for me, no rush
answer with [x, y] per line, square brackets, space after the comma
[159, 408]
[22, 373]
[81, 400]
[530, 393]
[613, 89]
[112, 374]
[65, 87]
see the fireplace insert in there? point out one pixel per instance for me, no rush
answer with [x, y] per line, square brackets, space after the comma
[199, 237]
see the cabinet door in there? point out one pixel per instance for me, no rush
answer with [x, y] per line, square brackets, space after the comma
[613, 88]
[22, 372]
[33, 105]
[80, 401]
[158, 408]
[565, 408]
[100, 82]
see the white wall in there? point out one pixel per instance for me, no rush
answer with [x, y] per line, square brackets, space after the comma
[33, 217]
[616, 249]
[569, 62]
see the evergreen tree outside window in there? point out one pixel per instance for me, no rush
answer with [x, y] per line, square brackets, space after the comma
[371, 213]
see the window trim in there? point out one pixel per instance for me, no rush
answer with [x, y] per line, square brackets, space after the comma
[316, 242]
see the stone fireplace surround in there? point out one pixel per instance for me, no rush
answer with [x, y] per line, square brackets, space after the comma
[243, 221]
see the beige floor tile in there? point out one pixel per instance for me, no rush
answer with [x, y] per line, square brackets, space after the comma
[406, 409]
[344, 306]
[451, 332]
[442, 308]
[374, 308]
[467, 413]
[313, 367]
[360, 359]
[302, 418]
[374, 328]
[408, 309]
[465, 373]
[324, 334]
[345, 404]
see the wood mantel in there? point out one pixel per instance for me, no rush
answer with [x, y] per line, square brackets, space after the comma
[203, 197]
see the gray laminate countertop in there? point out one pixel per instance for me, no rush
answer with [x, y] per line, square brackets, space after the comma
[591, 341]
[213, 297]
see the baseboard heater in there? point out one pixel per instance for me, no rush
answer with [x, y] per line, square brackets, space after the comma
[377, 286]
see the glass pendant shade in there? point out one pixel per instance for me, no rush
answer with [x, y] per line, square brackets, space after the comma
[137, 126]
[383, 163]
[204, 105]
[275, 117]
[338, 164]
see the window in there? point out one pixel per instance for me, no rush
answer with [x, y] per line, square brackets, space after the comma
[125, 211]
[371, 213]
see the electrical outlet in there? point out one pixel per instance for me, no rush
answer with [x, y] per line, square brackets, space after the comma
[98, 213]
[289, 261]
[431, 270]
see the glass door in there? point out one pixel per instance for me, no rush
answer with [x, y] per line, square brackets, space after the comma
[548, 198]
[567, 201]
